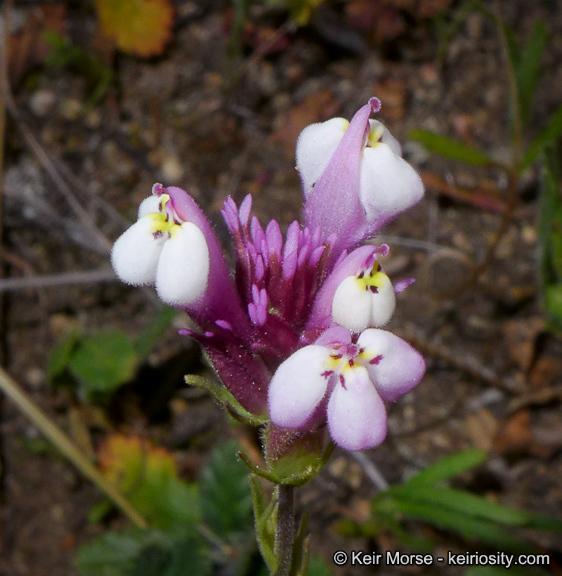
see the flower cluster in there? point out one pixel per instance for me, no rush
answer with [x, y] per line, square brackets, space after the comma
[295, 333]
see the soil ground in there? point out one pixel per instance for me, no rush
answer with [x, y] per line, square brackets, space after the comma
[220, 127]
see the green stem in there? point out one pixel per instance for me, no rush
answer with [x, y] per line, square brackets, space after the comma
[285, 531]
[66, 447]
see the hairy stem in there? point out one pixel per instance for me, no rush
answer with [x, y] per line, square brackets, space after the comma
[285, 533]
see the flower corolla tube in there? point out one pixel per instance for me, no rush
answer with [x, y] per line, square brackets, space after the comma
[294, 332]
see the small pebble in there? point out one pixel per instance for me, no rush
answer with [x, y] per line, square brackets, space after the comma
[172, 171]
[42, 102]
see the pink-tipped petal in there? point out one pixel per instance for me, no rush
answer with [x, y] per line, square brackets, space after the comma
[356, 413]
[395, 367]
[298, 386]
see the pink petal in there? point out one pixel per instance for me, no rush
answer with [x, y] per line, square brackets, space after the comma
[356, 413]
[395, 367]
[298, 386]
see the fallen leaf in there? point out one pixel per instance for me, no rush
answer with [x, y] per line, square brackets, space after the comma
[515, 435]
[139, 27]
[482, 427]
[545, 371]
[126, 460]
[521, 335]
[485, 199]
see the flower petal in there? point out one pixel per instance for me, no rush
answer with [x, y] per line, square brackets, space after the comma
[383, 300]
[183, 269]
[389, 185]
[298, 386]
[321, 315]
[136, 252]
[315, 146]
[149, 205]
[395, 366]
[386, 137]
[352, 305]
[356, 413]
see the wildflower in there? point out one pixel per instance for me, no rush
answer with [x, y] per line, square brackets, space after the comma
[296, 332]
[357, 294]
[358, 167]
[346, 382]
[164, 249]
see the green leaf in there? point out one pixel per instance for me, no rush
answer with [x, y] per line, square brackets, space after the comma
[470, 527]
[188, 555]
[450, 466]
[553, 305]
[111, 554]
[60, 356]
[547, 137]
[225, 397]
[317, 567]
[148, 477]
[150, 336]
[103, 362]
[464, 503]
[301, 550]
[226, 498]
[527, 69]
[501, 571]
[452, 149]
[144, 553]
[384, 518]
[265, 514]
[550, 242]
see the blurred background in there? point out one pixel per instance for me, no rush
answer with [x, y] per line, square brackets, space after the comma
[103, 98]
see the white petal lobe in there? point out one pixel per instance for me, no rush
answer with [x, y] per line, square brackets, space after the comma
[183, 269]
[136, 252]
[315, 147]
[383, 302]
[149, 205]
[352, 305]
[356, 413]
[298, 386]
[388, 184]
[399, 370]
